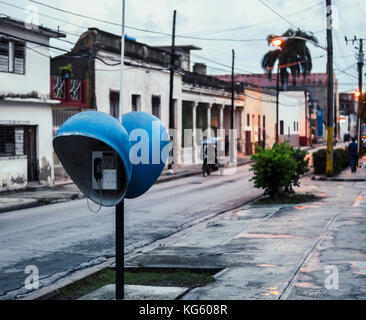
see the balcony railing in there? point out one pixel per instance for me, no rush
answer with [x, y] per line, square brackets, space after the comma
[71, 92]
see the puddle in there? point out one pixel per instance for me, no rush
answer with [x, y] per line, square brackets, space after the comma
[266, 265]
[272, 291]
[307, 285]
[268, 236]
[361, 265]
[305, 207]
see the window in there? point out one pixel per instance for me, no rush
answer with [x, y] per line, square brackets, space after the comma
[297, 126]
[155, 102]
[281, 127]
[248, 120]
[135, 102]
[4, 55]
[11, 141]
[259, 121]
[264, 121]
[114, 104]
[294, 126]
[60, 115]
[12, 56]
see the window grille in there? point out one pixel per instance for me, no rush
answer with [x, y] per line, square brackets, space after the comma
[4, 55]
[59, 87]
[12, 56]
[7, 141]
[75, 89]
[61, 115]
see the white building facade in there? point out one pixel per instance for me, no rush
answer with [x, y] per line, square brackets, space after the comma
[25, 107]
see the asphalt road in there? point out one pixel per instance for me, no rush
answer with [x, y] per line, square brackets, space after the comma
[63, 237]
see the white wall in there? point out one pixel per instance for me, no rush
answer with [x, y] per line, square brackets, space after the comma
[260, 104]
[13, 172]
[137, 80]
[37, 67]
[33, 114]
[343, 127]
[288, 112]
[298, 98]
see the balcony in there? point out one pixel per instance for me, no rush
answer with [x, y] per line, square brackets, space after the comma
[71, 92]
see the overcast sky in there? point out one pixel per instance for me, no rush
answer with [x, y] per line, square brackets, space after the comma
[216, 19]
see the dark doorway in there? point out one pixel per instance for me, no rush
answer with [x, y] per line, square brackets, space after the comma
[30, 150]
[114, 104]
[248, 143]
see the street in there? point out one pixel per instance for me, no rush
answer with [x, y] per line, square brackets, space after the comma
[63, 237]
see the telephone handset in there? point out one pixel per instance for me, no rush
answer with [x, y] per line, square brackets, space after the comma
[98, 169]
[104, 170]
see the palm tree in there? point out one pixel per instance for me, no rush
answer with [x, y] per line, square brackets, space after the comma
[292, 52]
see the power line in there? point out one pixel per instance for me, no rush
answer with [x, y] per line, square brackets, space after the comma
[282, 17]
[32, 41]
[141, 29]
[207, 32]
[47, 16]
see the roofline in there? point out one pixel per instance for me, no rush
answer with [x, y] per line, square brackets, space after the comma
[188, 46]
[38, 29]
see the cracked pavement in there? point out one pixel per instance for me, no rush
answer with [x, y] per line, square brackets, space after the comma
[279, 251]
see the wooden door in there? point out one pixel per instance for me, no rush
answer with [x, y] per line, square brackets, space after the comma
[30, 150]
[248, 143]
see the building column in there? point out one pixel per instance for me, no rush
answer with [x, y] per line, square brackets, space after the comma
[221, 121]
[209, 120]
[194, 131]
[178, 126]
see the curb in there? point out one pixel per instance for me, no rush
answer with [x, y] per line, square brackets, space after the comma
[338, 179]
[45, 201]
[18, 206]
[36, 203]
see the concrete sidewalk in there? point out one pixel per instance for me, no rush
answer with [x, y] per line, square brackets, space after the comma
[347, 175]
[306, 251]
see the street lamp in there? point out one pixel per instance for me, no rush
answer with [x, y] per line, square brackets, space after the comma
[277, 41]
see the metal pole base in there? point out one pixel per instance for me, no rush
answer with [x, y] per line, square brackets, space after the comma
[120, 252]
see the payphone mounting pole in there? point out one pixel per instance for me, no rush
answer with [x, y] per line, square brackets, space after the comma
[120, 251]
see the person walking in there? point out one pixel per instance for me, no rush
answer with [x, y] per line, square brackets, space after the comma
[353, 154]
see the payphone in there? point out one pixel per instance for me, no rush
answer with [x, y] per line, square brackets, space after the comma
[104, 170]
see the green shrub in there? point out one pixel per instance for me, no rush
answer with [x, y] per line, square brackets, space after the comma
[319, 160]
[278, 169]
[341, 160]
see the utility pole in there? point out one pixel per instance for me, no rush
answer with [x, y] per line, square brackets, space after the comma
[232, 91]
[330, 94]
[120, 208]
[232, 144]
[360, 59]
[277, 98]
[171, 88]
[360, 63]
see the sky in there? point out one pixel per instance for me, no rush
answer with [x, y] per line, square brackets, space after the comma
[242, 25]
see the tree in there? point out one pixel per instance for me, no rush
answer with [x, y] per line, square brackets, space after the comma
[291, 51]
